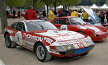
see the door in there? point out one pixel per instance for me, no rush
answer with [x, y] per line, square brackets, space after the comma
[20, 29]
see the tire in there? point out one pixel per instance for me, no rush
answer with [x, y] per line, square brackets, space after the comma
[42, 53]
[84, 54]
[8, 42]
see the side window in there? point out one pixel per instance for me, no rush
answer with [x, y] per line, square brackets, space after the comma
[20, 26]
[14, 25]
[72, 21]
[34, 27]
[64, 21]
[55, 21]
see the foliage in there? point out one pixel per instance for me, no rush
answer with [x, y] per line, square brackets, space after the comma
[15, 3]
[85, 2]
[107, 2]
[62, 2]
[39, 4]
[70, 2]
[28, 3]
[99, 2]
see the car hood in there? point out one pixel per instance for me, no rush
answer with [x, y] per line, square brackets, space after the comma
[62, 35]
[91, 14]
[90, 27]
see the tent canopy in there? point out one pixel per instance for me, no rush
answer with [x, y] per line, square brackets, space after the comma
[104, 6]
[60, 6]
[94, 6]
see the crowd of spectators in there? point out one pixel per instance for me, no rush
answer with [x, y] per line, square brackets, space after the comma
[36, 14]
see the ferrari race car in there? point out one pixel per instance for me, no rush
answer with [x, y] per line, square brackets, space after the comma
[46, 40]
[97, 33]
[11, 16]
[94, 19]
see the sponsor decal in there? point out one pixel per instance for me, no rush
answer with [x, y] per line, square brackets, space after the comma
[10, 31]
[80, 45]
[32, 38]
[64, 27]
[76, 46]
[18, 37]
[29, 44]
[69, 37]
[48, 40]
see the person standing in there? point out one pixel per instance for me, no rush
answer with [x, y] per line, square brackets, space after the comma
[7, 13]
[44, 13]
[51, 15]
[14, 12]
[102, 16]
[19, 13]
[74, 13]
[30, 14]
[107, 16]
[85, 16]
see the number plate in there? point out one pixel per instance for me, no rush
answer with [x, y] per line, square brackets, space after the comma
[78, 51]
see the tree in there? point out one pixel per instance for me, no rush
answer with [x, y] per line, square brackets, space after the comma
[99, 2]
[106, 1]
[39, 4]
[34, 4]
[47, 3]
[85, 2]
[4, 23]
[28, 3]
[14, 3]
[62, 2]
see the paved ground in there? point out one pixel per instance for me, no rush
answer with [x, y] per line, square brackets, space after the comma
[21, 56]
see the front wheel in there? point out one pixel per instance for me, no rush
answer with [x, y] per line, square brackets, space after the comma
[42, 53]
[8, 42]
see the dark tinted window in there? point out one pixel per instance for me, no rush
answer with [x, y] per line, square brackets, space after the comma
[14, 25]
[20, 26]
[56, 21]
[63, 21]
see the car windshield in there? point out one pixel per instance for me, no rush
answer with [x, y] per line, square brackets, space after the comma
[41, 25]
[76, 21]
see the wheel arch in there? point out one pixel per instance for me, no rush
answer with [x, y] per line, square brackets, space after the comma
[5, 34]
[36, 44]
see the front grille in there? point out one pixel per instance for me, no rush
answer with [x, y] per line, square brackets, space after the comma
[77, 51]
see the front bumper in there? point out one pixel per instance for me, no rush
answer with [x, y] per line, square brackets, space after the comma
[100, 37]
[72, 52]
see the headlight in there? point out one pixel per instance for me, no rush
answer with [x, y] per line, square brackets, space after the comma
[61, 47]
[57, 48]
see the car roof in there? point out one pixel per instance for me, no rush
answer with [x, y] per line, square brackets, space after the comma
[33, 21]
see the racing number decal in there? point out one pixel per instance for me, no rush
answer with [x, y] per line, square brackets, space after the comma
[64, 27]
[18, 37]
